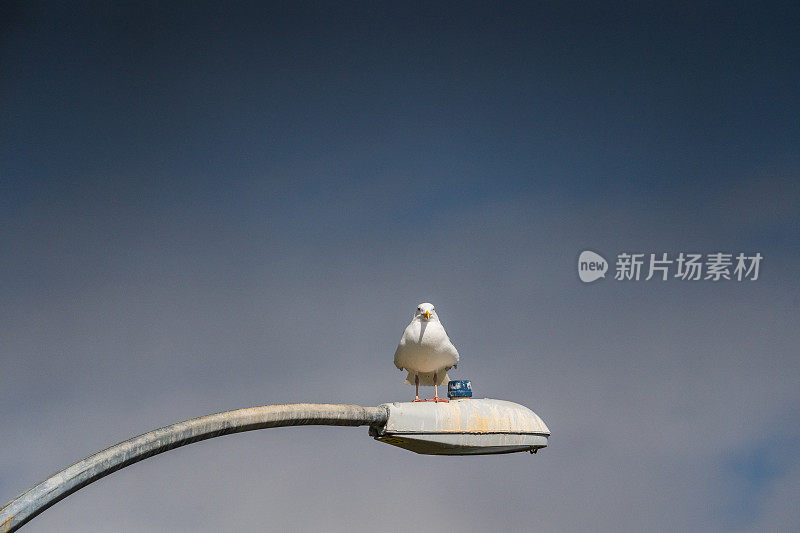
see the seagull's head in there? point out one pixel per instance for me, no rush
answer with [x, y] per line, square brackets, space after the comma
[425, 311]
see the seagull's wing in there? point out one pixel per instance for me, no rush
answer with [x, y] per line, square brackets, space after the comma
[452, 345]
[401, 352]
[396, 356]
[458, 357]
[399, 349]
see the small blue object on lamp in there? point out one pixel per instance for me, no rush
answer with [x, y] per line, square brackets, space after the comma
[459, 388]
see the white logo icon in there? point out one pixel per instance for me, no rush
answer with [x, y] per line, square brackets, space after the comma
[591, 266]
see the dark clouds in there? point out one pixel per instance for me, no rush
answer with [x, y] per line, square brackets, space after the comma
[205, 209]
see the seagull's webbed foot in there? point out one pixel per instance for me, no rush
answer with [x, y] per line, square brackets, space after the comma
[436, 392]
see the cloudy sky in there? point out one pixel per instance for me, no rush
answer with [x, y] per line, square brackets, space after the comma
[211, 207]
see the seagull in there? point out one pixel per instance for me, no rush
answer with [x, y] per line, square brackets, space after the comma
[425, 351]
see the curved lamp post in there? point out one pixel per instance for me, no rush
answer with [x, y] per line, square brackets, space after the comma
[461, 427]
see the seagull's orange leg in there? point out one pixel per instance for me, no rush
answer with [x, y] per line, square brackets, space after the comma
[416, 382]
[436, 390]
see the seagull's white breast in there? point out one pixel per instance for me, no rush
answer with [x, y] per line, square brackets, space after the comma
[425, 347]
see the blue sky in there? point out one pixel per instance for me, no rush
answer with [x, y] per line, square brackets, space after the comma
[209, 207]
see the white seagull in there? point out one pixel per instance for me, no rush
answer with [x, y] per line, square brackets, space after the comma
[425, 351]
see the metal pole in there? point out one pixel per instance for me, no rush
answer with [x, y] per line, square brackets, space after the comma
[57, 487]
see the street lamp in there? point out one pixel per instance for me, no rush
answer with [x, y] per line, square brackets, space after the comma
[463, 426]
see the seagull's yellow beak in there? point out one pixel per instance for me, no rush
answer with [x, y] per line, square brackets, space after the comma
[427, 315]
